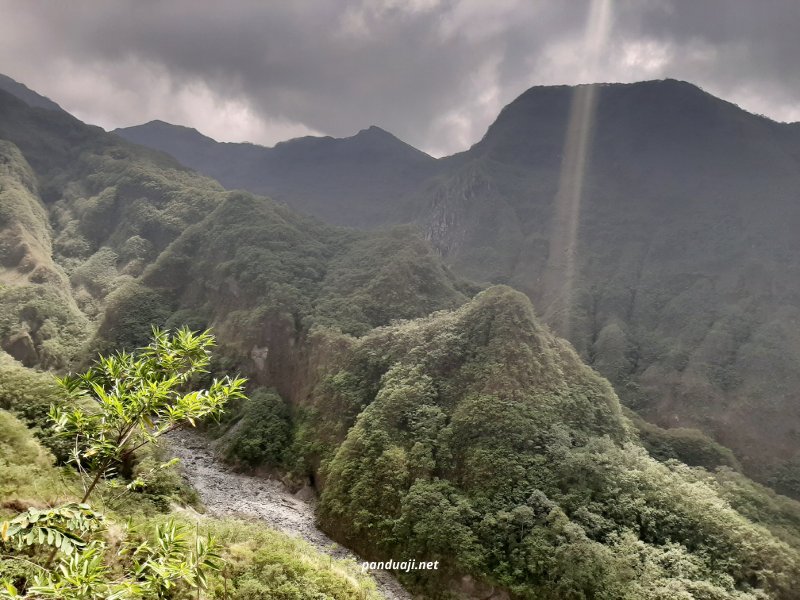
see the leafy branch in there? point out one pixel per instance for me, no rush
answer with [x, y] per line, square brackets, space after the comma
[122, 403]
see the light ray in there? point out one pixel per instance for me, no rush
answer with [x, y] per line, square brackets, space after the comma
[561, 271]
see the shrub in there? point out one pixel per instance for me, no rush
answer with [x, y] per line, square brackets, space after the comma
[26, 470]
[263, 432]
[261, 563]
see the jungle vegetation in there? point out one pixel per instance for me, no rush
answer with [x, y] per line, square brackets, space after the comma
[437, 419]
[71, 549]
[687, 245]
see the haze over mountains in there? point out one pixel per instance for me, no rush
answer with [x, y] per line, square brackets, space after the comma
[334, 179]
[437, 420]
[688, 288]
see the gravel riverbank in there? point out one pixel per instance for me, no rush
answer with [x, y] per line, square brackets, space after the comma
[227, 493]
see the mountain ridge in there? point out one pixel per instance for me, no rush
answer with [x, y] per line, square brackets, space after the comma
[437, 420]
[27, 95]
[685, 244]
[317, 175]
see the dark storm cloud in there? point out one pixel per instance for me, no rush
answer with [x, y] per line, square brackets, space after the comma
[434, 72]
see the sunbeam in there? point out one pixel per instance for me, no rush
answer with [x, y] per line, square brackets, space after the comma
[561, 268]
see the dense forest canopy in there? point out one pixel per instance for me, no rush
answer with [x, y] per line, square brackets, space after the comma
[686, 253]
[438, 418]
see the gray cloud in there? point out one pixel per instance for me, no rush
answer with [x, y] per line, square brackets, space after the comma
[434, 72]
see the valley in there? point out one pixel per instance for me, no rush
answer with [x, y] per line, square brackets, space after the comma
[411, 370]
[686, 245]
[224, 492]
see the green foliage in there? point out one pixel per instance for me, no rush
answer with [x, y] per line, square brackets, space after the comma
[26, 471]
[384, 277]
[18, 203]
[477, 438]
[786, 478]
[265, 257]
[29, 395]
[98, 273]
[131, 312]
[278, 273]
[262, 432]
[38, 323]
[71, 247]
[49, 330]
[136, 398]
[61, 527]
[260, 563]
[157, 482]
[154, 568]
[689, 446]
[758, 503]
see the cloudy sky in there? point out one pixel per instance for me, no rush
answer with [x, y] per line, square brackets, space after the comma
[433, 72]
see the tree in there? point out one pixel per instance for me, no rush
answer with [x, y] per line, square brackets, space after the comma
[119, 405]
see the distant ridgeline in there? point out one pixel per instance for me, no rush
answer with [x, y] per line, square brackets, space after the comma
[687, 286]
[439, 421]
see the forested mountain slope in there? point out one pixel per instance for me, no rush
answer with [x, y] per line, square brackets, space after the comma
[465, 432]
[360, 180]
[108, 215]
[686, 286]
[687, 283]
[484, 442]
[26, 94]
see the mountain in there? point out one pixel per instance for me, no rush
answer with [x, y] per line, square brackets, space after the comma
[677, 277]
[27, 95]
[685, 272]
[437, 422]
[114, 224]
[357, 180]
[478, 439]
[94, 236]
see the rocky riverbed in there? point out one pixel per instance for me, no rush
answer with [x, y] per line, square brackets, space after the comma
[225, 492]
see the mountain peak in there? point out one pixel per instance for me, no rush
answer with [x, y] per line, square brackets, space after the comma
[159, 127]
[377, 138]
[374, 130]
[533, 126]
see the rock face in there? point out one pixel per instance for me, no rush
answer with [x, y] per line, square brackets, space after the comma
[21, 347]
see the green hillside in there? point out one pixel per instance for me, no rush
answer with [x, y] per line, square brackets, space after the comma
[478, 439]
[40, 322]
[26, 94]
[686, 273]
[438, 422]
[359, 180]
[114, 224]
[28, 478]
